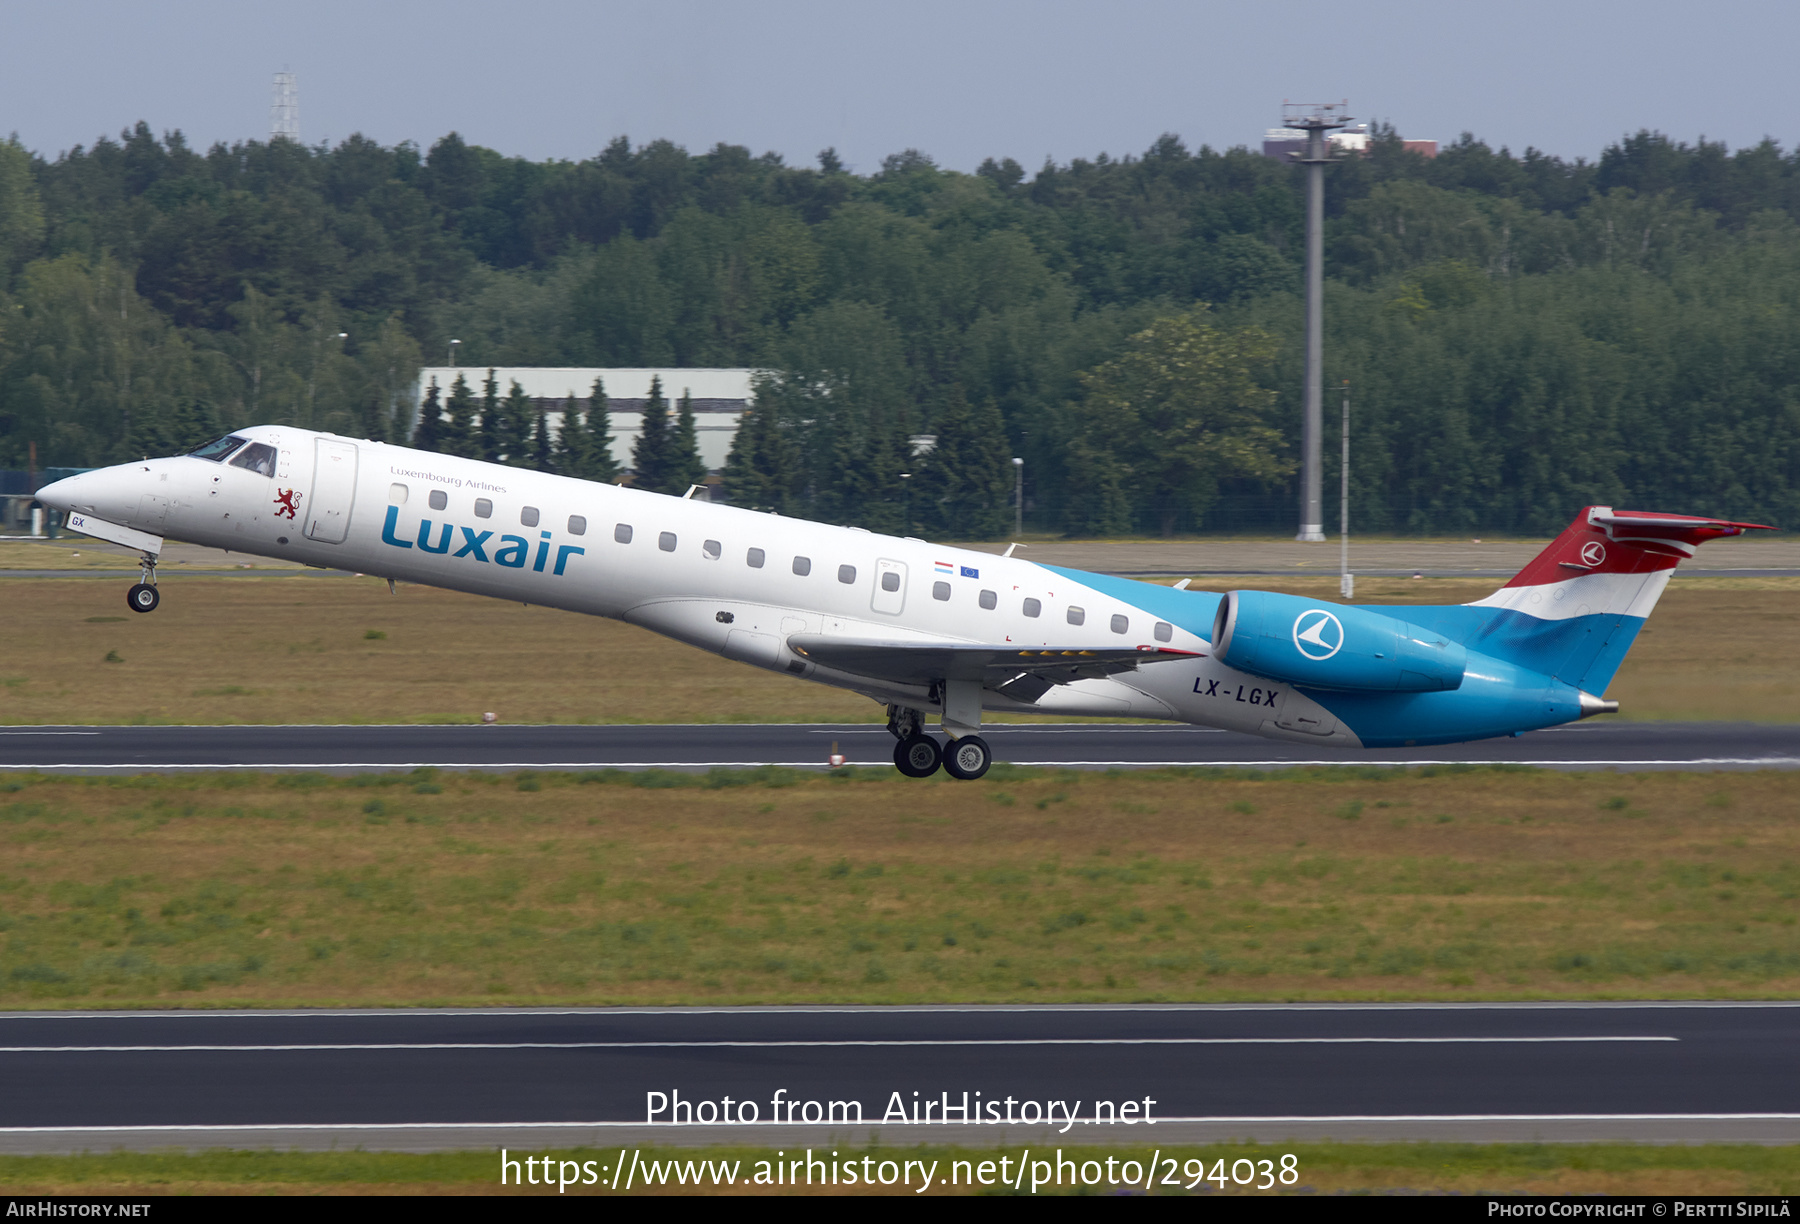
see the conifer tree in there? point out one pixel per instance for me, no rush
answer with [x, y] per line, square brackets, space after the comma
[427, 434]
[872, 491]
[516, 414]
[650, 455]
[543, 455]
[686, 467]
[966, 480]
[601, 465]
[569, 457]
[456, 435]
[763, 471]
[496, 434]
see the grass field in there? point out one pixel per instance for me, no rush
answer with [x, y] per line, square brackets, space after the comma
[342, 650]
[766, 886]
[1321, 1168]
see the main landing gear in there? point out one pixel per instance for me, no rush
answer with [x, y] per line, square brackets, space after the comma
[917, 755]
[143, 597]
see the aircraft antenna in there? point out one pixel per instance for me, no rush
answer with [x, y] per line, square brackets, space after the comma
[284, 110]
[1315, 119]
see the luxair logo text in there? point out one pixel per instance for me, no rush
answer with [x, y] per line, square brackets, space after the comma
[512, 551]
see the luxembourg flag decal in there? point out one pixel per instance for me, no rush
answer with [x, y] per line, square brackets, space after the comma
[944, 567]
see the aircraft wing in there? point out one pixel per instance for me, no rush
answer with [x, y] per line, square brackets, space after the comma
[1006, 667]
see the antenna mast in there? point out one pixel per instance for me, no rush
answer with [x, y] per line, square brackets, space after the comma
[284, 111]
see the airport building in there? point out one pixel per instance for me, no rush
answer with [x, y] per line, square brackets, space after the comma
[720, 397]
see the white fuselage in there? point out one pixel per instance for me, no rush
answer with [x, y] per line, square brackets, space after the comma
[735, 582]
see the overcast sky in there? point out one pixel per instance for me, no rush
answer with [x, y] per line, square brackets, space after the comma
[959, 79]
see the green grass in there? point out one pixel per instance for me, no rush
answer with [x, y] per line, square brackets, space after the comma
[1508, 1168]
[343, 650]
[857, 886]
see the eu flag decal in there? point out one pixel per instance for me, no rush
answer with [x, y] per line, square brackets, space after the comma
[970, 572]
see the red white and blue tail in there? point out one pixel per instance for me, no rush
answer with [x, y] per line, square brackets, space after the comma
[1576, 609]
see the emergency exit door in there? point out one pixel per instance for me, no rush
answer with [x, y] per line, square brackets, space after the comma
[890, 587]
[333, 491]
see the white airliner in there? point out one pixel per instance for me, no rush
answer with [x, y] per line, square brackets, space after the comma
[921, 628]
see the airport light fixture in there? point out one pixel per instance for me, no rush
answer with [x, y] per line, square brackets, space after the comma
[1346, 580]
[1018, 496]
[1315, 119]
[454, 345]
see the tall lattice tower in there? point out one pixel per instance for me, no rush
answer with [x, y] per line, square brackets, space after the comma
[284, 111]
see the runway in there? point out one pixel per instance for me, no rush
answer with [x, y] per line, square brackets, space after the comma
[1596, 744]
[1146, 1075]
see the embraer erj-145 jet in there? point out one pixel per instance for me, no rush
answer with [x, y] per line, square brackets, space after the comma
[919, 627]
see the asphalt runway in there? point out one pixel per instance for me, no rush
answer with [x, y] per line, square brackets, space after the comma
[1595, 744]
[445, 1079]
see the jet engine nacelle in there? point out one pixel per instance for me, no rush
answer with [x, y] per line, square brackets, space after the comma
[1329, 646]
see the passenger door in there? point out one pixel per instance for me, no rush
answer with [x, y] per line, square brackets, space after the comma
[890, 587]
[333, 491]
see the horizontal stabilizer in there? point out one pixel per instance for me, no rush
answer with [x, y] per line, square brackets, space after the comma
[915, 662]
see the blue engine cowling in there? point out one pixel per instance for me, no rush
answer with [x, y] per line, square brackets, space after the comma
[1330, 646]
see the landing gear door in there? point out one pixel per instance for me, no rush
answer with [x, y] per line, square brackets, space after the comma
[333, 491]
[890, 587]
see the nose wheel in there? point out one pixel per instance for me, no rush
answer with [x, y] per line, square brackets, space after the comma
[143, 597]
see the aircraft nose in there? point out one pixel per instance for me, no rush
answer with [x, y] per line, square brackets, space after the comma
[63, 494]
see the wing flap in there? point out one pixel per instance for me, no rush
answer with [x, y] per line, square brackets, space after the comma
[994, 664]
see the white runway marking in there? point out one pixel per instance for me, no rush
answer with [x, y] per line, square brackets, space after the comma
[1012, 729]
[817, 1045]
[908, 1009]
[1595, 763]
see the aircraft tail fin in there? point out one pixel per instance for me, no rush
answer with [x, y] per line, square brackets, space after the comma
[1575, 610]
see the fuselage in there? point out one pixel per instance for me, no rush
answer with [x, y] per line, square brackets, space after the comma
[741, 583]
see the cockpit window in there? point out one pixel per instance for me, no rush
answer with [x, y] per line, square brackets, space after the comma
[216, 451]
[259, 457]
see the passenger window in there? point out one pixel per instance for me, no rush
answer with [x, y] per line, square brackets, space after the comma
[846, 574]
[1164, 631]
[528, 516]
[1119, 623]
[1077, 616]
[940, 590]
[622, 533]
[577, 524]
[989, 599]
[803, 566]
[258, 457]
[666, 541]
[890, 581]
[712, 549]
[1033, 607]
[438, 499]
[484, 508]
[754, 558]
[397, 494]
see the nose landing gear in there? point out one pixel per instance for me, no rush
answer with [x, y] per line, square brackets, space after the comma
[143, 597]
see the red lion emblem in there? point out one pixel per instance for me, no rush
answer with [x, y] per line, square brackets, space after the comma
[287, 502]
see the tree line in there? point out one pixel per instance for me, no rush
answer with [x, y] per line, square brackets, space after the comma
[1520, 333]
[514, 430]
